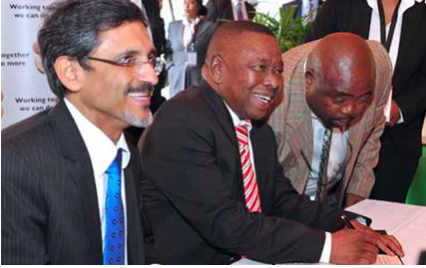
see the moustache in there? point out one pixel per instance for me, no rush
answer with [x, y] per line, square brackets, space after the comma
[142, 87]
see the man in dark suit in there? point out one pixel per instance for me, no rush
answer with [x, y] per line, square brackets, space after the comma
[214, 190]
[401, 141]
[69, 180]
[187, 36]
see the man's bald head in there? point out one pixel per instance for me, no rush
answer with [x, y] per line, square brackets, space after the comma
[339, 54]
[340, 79]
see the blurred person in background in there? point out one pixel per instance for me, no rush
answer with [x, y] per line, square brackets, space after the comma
[221, 10]
[187, 46]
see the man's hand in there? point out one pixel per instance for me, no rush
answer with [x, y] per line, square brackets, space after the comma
[394, 114]
[352, 199]
[353, 247]
[388, 243]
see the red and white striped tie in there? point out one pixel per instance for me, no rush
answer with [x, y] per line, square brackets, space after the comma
[251, 190]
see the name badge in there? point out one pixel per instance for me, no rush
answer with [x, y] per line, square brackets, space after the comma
[192, 59]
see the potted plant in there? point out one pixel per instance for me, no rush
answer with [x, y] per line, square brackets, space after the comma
[289, 31]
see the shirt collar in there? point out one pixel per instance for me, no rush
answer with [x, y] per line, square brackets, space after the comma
[102, 150]
[406, 4]
[186, 22]
[236, 120]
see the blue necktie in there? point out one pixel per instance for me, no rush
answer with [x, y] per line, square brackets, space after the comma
[114, 242]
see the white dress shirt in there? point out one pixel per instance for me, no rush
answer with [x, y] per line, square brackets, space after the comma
[326, 250]
[237, 122]
[393, 51]
[102, 152]
[189, 30]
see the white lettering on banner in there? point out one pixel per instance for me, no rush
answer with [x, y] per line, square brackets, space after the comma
[31, 11]
[25, 90]
[13, 59]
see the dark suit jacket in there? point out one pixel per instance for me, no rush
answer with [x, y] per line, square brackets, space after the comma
[194, 196]
[222, 10]
[179, 74]
[49, 205]
[409, 79]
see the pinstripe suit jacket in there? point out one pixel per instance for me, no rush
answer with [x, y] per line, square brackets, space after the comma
[292, 125]
[49, 207]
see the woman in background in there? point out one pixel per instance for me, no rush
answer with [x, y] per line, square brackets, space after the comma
[186, 48]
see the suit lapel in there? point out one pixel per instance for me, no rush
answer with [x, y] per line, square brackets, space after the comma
[179, 33]
[202, 26]
[133, 216]
[220, 110]
[80, 171]
[301, 143]
[223, 118]
[260, 156]
[355, 135]
[411, 26]
[299, 120]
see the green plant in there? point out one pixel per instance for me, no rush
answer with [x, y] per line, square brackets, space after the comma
[290, 32]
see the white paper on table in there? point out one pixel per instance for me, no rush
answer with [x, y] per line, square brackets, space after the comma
[387, 260]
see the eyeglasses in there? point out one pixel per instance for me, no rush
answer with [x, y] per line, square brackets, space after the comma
[129, 62]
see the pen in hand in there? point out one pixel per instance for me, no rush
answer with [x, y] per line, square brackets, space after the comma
[350, 226]
[347, 222]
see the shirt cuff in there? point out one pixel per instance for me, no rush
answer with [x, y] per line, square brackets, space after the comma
[326, 250]
[401, 118]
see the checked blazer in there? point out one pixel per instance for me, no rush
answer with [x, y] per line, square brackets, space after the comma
[291, 122]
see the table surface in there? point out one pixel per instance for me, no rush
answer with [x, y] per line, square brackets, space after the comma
[406, 222]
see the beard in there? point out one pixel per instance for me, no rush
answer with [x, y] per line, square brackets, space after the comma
[138, 122]
[131, 118]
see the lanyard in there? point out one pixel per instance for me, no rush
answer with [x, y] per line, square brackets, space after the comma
[386, 42]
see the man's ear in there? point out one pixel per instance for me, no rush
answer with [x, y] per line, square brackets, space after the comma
[69, 72]
[216, 68]
[309, 79]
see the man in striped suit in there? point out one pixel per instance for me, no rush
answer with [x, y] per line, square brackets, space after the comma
[69, 180]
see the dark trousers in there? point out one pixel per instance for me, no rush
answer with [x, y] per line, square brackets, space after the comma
[394, 174]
